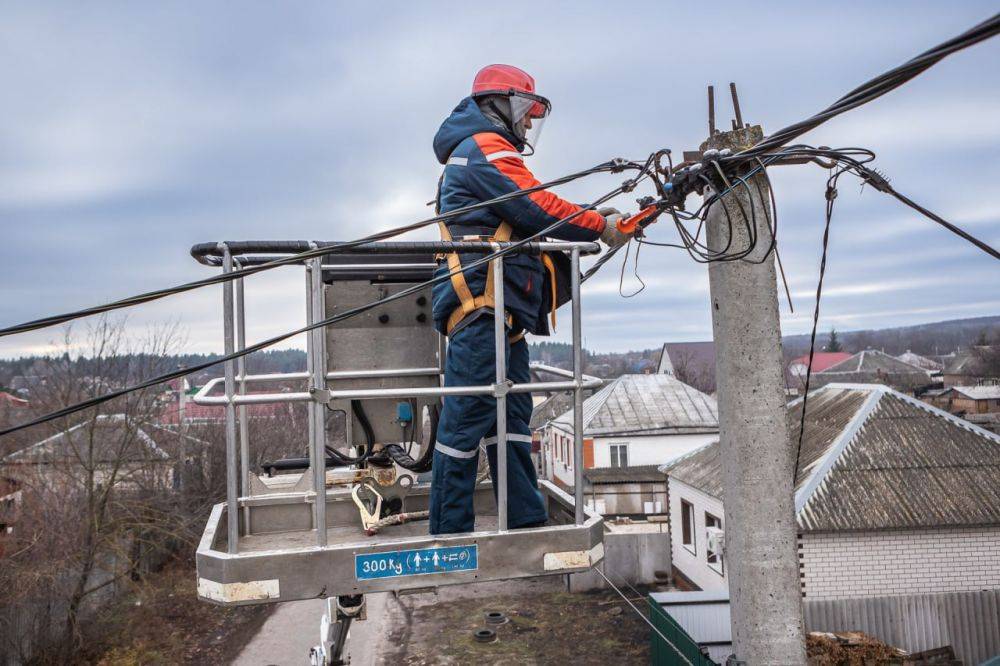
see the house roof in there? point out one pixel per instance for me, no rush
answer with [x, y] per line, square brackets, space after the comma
[875, 458]
[645, 405]
[113, 438]
[635, 474]
[873, 366]
[966, 362]
[821, 360]
[920, 361]
[550, 408]
[674, 354]
[978, 392]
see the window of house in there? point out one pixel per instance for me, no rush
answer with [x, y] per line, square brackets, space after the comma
[712, 556]
[619, 455]
[687, 525]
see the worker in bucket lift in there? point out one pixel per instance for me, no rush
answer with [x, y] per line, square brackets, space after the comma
[482, 145]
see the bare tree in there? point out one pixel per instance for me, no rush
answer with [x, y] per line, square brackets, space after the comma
[96, 490]
[688, 370]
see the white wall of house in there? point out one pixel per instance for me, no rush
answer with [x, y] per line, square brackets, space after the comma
[867, 564]
[692, 559]
[850, 564]
[558, 453]
[557, 448]
[649, 450]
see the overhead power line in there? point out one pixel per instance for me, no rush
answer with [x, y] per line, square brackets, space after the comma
[721, 173]
[876, 87]
[322, 250]
[505, 250]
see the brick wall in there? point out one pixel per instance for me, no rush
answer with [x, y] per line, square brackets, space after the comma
[867, 564]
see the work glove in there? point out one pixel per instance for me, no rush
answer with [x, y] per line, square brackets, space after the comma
[611, 236]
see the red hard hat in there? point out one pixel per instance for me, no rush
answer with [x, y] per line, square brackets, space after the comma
[507, 79]
[501, 79]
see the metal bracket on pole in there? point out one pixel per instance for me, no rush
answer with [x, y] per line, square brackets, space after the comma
[321, 396]
[711, 111]
[738, 121]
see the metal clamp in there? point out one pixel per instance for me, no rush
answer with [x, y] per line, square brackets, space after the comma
[321, 396]
[502, 389]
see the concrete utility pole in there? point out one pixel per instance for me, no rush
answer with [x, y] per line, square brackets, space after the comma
[757, 459]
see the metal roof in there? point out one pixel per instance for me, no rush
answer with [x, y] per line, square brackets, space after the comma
[550, 408]
[920, 361]
[875, 458]
[873, 366]
[699, 469]
[654, 404]
[978, 392]
[969, 361]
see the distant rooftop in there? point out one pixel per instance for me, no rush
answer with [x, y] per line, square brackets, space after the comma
[109, 438]
[645, 405]
[821, 360]
[968, 362]
[875, 458]
[920, 361]
[978, 392]
[873, 366]
[550, 408]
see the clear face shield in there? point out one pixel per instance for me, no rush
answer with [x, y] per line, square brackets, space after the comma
[528, 113]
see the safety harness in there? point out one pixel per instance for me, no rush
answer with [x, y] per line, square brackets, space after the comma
[470, 304]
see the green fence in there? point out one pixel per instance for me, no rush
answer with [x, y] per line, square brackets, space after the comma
[663, 654]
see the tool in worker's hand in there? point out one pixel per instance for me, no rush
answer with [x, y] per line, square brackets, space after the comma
[651, 209]
[628, 225]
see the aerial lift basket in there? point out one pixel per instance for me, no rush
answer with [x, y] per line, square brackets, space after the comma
[372, 380]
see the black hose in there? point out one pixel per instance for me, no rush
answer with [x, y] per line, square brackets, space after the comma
[396, 453]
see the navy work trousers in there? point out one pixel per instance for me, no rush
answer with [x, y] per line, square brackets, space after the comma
[470, 420]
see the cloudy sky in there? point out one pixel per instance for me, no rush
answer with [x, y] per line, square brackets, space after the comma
[132, 131]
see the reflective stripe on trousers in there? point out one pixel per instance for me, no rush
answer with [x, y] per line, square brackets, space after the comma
[468, 421]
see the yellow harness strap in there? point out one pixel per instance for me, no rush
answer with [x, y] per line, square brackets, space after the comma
[547, 261]
[470, 303]
[458, 282]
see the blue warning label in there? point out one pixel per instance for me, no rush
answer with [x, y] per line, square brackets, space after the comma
[416, 562]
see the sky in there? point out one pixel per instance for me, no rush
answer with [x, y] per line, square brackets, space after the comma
[135, 130]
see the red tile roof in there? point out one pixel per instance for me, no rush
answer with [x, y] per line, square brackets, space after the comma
[822, 360]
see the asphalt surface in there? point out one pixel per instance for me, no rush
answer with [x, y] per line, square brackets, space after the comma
[293, 628]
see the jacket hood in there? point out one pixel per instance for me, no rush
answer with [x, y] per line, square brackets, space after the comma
[463, 122]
